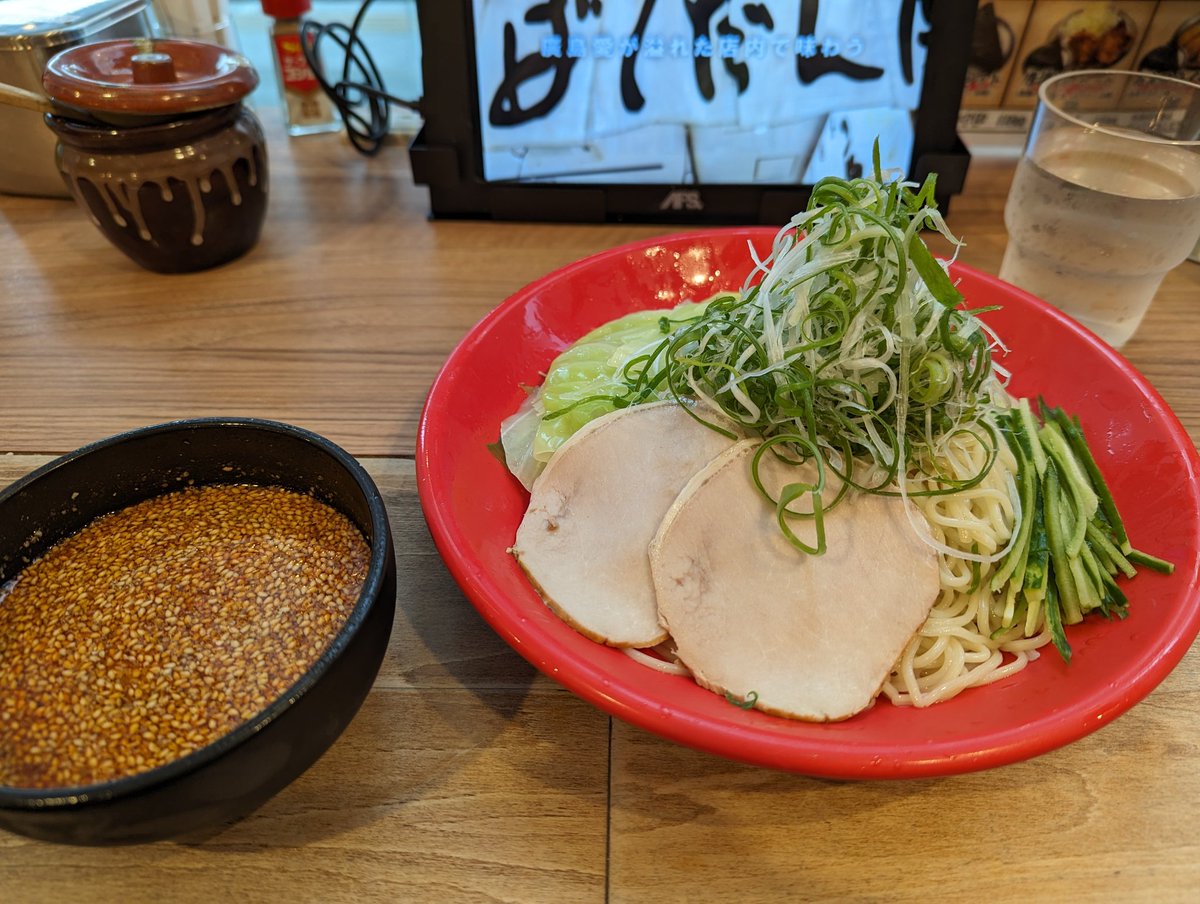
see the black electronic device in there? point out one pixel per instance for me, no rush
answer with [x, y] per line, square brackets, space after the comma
[682, 110]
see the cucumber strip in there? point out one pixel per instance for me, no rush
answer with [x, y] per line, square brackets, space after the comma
[1094, 574]
[1020, 431]
[1076, 482]
[1107, 566]
[1079, 445]
[1054, 620]
[1068, 595]
[1038, 562]
[1118, 560]
[1029, 427]
[1085, 589]
[1012, 567]
[1010, 608]
[1020, 611]
[1117, 601]
[1071, 470]
[1162, 566]
[1033, 611]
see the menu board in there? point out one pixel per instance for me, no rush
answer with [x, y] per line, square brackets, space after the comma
[999, 27]
[706, 92]
[1172, 45]
[1066, 35]
[1018, 44]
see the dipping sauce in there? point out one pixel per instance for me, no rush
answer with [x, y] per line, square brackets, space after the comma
[159, 628]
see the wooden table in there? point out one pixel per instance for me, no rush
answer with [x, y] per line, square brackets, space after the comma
[467, 776]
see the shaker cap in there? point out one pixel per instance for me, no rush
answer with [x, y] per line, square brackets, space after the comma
[145, 76]
[286, 9]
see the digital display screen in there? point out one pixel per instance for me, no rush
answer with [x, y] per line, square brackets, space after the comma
[700, 92]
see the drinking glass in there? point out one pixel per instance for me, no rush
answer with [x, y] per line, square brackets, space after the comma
[1106, 197]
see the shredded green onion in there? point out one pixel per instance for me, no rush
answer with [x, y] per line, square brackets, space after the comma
[748, 703]
[846, 342]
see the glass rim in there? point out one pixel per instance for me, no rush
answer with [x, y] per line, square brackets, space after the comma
[1126, 74]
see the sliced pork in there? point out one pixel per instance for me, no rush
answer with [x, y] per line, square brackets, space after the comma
[806, 636]
[592, 512]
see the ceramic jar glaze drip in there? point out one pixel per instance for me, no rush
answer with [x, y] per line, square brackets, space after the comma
[117, 178]
[175, 197]
[154, 143]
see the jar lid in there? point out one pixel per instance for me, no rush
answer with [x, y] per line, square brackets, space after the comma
[144, 76]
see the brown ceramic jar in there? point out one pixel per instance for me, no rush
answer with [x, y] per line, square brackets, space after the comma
[154, 143]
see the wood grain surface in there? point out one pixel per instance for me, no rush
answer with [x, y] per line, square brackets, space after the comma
[468, 776]
[342, 315]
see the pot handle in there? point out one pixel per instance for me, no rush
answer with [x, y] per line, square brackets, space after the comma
[26, 100]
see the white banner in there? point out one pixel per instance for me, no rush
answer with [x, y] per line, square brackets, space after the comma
[714, 91]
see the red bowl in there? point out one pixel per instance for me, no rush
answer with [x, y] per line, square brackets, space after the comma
[473, 507]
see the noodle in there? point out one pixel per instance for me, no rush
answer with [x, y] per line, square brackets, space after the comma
[670, 666]
[964, 642]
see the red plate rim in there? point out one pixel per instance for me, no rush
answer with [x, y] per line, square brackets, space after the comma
[834, 757]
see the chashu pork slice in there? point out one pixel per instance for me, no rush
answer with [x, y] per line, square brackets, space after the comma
[805, 636]
[593, 511]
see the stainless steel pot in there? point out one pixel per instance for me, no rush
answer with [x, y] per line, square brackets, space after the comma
[32, 31]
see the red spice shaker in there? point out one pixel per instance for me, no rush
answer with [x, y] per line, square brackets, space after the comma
[307, 109]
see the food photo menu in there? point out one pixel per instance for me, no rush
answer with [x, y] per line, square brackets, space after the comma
[1018, 44]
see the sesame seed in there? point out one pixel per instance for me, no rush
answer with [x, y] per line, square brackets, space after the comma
[159, 628]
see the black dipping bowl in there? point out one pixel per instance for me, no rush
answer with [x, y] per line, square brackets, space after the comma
[235, 774]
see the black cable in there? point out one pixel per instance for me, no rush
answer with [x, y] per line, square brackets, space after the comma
[361, 85]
